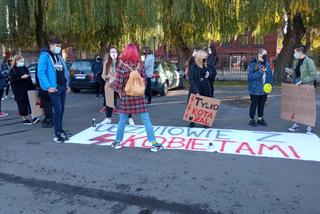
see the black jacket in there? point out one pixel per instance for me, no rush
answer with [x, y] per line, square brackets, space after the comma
[20, 86]
[212, 62]
[198, 82]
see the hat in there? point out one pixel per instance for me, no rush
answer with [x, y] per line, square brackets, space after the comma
[267, 88]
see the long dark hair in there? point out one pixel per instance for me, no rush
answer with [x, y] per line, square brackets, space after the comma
[108, 60]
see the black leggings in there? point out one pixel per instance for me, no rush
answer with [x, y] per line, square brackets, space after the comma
[257, 101]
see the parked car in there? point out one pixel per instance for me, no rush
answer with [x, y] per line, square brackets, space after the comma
[33, 67]
[167, 76]
[82, 75]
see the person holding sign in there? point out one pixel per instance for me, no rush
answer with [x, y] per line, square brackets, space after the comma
[304, 71]
[130, 85]
[199, 77]
[260, 85]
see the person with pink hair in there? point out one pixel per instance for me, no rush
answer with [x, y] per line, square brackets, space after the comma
[130, 60]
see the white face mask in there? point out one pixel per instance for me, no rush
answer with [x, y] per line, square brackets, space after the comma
[143, 58]
[296, 55]
[113, 54]
[209, 51]
[20, 64]
[57, 50]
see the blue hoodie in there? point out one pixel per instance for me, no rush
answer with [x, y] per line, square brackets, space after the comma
[46, 71]
[255, 77]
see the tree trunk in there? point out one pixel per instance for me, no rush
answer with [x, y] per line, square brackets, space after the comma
[41, 37]
[292, 39]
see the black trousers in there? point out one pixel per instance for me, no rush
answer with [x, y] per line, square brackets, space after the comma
[257, 101]
[1, 94]
[7, 89]
[47, 108]
[24, 107]
[149, 90]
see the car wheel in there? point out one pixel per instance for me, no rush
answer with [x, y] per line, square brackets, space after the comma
[165, 89]
[75, 90]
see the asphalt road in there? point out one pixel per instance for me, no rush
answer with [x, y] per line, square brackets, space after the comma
[38, 176]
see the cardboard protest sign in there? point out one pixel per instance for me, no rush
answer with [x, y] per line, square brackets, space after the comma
[201, 110]
[34, 101]
[298, 103]
[296, 146]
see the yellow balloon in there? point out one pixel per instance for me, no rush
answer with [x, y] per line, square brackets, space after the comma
[267, 88]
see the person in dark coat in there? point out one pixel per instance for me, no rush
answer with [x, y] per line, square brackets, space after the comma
[212, 62]
[46, 104]
[259, 73]
[97, 70]
[5, 68]
[3, 84]
[21, 81]
[199, 75]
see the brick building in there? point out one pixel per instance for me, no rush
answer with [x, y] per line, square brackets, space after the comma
[236, 55]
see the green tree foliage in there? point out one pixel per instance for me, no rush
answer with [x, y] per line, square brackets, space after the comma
[89, 24]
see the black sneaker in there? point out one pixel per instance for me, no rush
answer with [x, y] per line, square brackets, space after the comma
[27, 122]
[192, 125]
[252, 123]
[58, 139]
[262, 122]
[35, 120]
[47, 124]
[66, 135]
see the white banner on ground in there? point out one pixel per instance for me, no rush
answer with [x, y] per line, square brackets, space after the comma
[253, 143]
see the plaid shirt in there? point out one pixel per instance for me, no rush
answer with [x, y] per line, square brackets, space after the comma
[129, 104]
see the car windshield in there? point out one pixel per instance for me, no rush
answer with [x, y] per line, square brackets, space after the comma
[82, 66]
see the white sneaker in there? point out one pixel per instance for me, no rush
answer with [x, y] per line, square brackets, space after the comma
[310, 131]
[106, 121]
[131, 122]
[156, 147]
[295, 127]
[116, 145]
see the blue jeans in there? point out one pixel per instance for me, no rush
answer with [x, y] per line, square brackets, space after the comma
[58, 100]
[146, 122]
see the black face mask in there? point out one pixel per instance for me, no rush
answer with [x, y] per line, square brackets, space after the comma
[204, 60]
[265, 57]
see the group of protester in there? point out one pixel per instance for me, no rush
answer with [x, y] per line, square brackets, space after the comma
[201, 71]
[116, 71]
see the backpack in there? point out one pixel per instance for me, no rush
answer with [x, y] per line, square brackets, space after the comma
[135, 85]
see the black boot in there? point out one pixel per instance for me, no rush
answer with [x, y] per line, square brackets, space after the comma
[192, 125]
[262, 122]
[252, 123]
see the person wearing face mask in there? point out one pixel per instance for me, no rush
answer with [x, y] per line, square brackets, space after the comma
[5, 68]
[111, 62]
[21, 81]
[53, 77]
[199, 77]
[97, 70]
[3, 84]
[304, 71]
[259, 74]
[212, 62]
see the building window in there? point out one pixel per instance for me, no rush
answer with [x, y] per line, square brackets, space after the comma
[259, 40]
[243, 40]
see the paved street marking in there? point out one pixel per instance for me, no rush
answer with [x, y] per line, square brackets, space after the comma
[241, 142]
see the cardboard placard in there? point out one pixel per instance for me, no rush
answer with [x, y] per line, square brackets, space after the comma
[35, 102]
[201, 110]
[298, 103]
